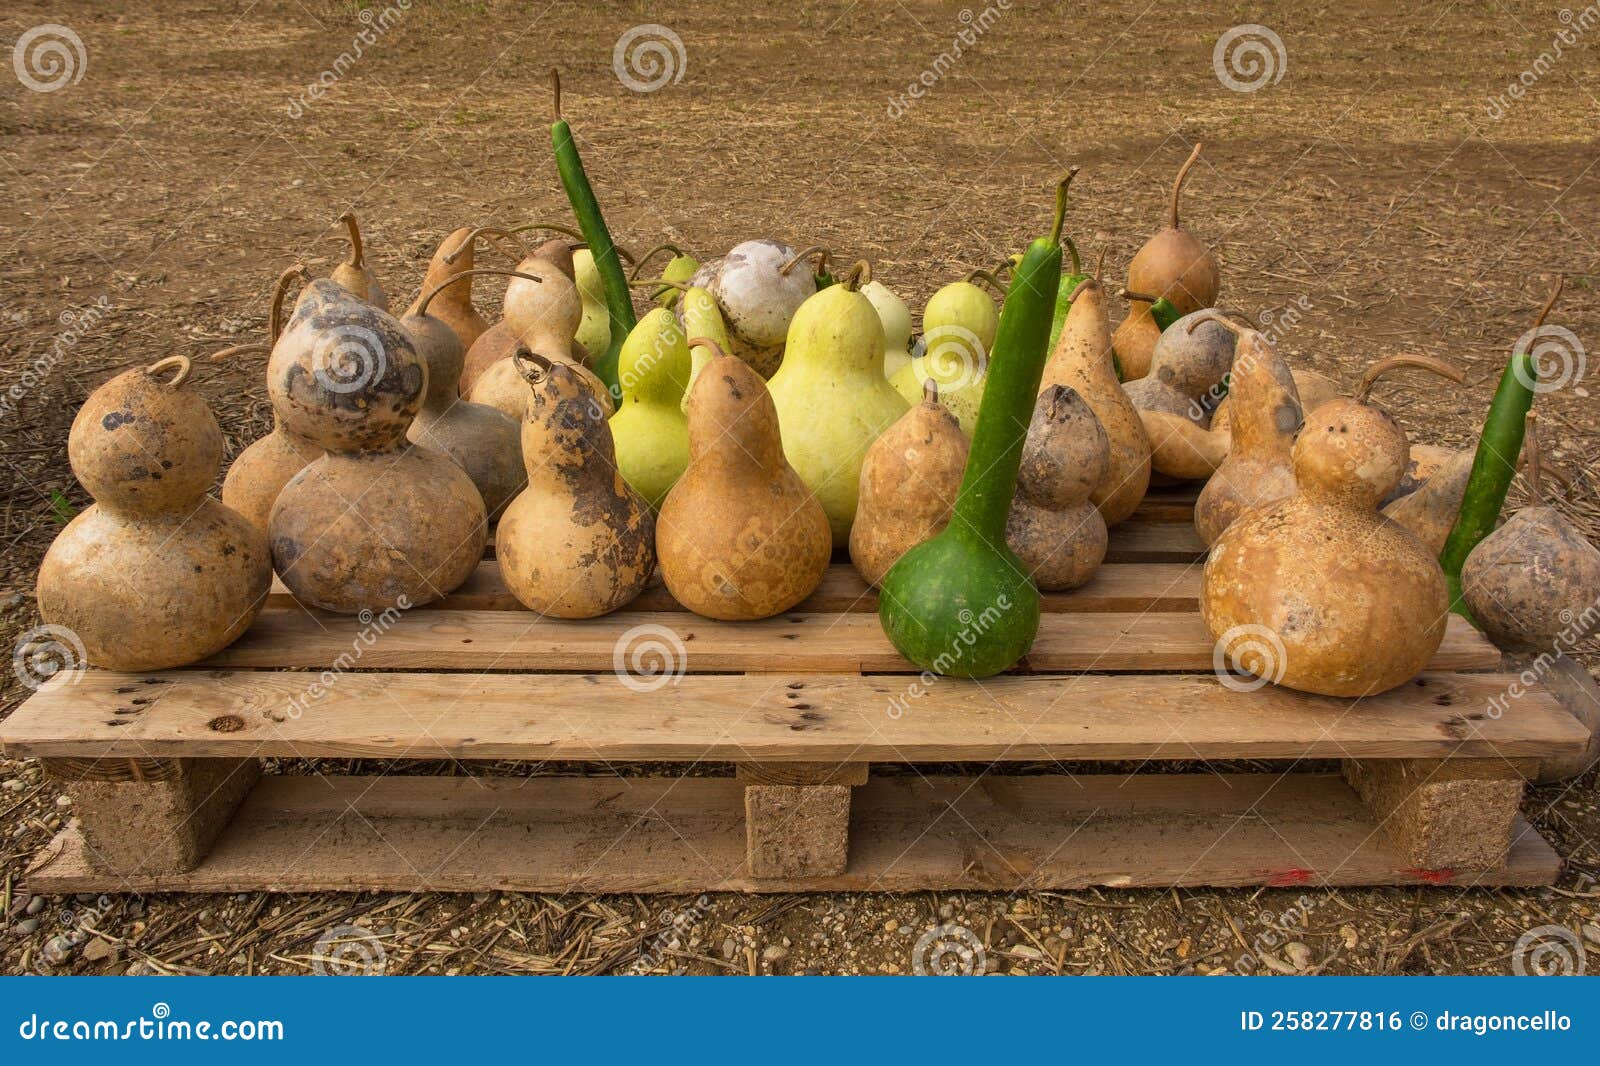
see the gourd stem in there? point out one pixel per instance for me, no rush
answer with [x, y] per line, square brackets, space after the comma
[1002, 268]
[1072, 252]
[555, 92]
[1177, 184]
[487, 231]
[979, 272]
[422, 305]
[1212, 315]
[556, 227]
[1555, 293]
[1100, 265]
[651, 254]
[930, 391]
[1061, 204]
[539, 369]
[184, 364]
[250, 348]
[707, 342]
[1128, 294]
[657, 283]
[275, 311]
[1085, 283]
[1530, 449]
[1394, 362]
[798, 256]
[859, 275]
[354, 229]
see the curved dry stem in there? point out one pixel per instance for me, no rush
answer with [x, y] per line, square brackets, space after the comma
[184, 364]
[1561, 283]
[1177, 184]
[1060, 217]
[1085, 283]
[533, 367]
[1396, 362]
[555, 91]
[489, 233]
[980, 273]
[1100, 265]
[707, 342]
[248, 348]
[353, 228]
[860, 273]
[1530, 451]
[275, 309]
[799, 256]
[651, 254]
[658, 283]
[1136, 297]
[422, 305]
[1213, 315]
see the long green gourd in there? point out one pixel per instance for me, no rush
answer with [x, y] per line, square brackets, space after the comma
[1495, 463]
[962, 604]
[619, 301]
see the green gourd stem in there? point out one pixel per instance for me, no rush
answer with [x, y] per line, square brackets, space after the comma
[619, 302]
[1072, 253]
[422, 304]
[858, 275]
[651, 254]
[660, 283]
[1495, 463]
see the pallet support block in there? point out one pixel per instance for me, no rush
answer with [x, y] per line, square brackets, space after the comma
[796, 830]
[145, 816]
[1443, 814]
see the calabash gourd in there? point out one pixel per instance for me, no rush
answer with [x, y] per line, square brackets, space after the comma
[908, 485]
[1430, 509]
[453, 305]
[739, 537]
[831, 397]
[353, 273]
[594, 327]
[961, 603]
[1181, 450]
[701, 318]
[577, 542]
[896, 320]
[674, 276]
[1425, 461]
[1054, 529]
[1188, 365]
[958, 331]
[650, 428]
[1082, 362]
[494, 344]
[1319, 592]
[375, 522]
[1313, 388]
[155, 574]
[759, 290]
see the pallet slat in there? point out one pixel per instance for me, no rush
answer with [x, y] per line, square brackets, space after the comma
[778, 718]
[907, 834]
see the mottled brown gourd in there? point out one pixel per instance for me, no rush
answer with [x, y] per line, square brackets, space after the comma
[261, 471]
[1175, 264]
[1187, 367]
[354, 274]
[1054, 529]
[375, 523]
[453, 305]
[577, 542]
[1534, 583]
[155, 574]
[543, 317]
[739, 536]
[494, 344]
[1315, 390]
[1425, 461]
[1181, 450]
[1082, 362]
[1259, 469]
[1429, 510]
[1319, 592]
[909, 480]
[482, 440]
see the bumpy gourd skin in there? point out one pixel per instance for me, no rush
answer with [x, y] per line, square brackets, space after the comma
[1354, 601]
[1534, 583]
[259, 473]
[1054, 529]
[155, 574]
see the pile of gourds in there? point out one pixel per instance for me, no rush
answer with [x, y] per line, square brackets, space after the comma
[766, 413]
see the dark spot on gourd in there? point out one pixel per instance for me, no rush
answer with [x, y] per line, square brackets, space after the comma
[228, 549]
[115, 420]
[733, 387]
[286, 548]
[1287, 416]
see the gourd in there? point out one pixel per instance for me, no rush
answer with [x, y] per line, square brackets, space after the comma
[896, 320]
[909, 480]
[374, 523]
[1430, 509]
[650, 429]
[594, 328]
[155, 574]
[354, 274]
[260, 472]
[484, 441]
[453, 305]
[759, 290]
[961, 603]
[577, 542]
[1181, 450]
[831, 397]
[504, 388]
[739, 537]
[541, 316]
[1082, 362]
[1189, 364]
[701, 318]
[493, 344]
[1259, 469]
[676, 274]
[1313, 388]
[1534, 583]
[1319, 592]
[1424, 461]
[1054, 529]
[958, 330]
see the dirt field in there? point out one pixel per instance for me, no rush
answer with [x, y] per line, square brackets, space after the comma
[1376, 184]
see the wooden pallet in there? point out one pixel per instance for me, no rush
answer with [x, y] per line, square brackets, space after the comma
[164, 769]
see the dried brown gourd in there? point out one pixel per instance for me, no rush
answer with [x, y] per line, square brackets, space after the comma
[495, 344]
[909, 480]
[1267, 416]
[260, 472]
[155, 574]
[484, 441]
[375, 523]
[1181, 450]
[1426, 460]
[1534, 583]
[1053, 528]
[1430, 510]
[577, 542]
[1187, 367]
[545, 322]
[739, 536]
[354, 274]
[1313, 388]
[1319, 592]
[453, 305]
[1082, 362]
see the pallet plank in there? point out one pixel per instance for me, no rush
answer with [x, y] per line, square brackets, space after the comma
[907, 834]
[776, 718]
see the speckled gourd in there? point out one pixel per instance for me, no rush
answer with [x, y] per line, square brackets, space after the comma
[1054, 529]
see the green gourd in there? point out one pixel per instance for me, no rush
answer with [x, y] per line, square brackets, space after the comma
[958, 331]
[962, 604]
[1070, 280]
[650, 430]
[594, 331]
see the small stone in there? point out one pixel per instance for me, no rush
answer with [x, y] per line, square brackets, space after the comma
[1591, 932]
[63, 801]
[27, 927]
[35, 905]
[1350, 937]
[729, 947]
[98, 950]
[774, 953]
[890, 926]
[1027, 951]
[947, 911]
[1184, 947]
[1298, 953]
[58, 949]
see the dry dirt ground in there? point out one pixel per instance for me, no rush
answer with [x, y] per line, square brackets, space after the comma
[151, 198]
